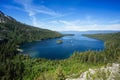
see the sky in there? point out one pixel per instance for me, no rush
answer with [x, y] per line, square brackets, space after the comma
[65, 15]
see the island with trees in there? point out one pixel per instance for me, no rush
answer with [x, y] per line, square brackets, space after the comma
[59, 41]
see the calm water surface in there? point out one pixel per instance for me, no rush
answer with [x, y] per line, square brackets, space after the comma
[51, 50]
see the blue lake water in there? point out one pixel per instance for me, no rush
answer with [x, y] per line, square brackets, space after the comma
[51, 50]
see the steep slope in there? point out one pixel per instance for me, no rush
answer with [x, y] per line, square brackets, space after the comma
[12, 34]
[13, 30]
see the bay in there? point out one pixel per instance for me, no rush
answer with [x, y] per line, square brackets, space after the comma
[51, 50]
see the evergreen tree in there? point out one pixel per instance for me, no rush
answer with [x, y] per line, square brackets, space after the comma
[59, 73]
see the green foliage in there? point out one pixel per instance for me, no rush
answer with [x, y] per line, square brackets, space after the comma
[59, 74]
[12, 70]
[24, 33]
[13, 34]
[20, 33]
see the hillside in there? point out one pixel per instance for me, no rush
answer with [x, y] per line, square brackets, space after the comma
[110, 56]
[13, 30]
[12, 34]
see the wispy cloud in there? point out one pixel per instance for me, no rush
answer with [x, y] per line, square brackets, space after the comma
[114, 21]
[58, 16]
[32, 10]
[80, 25]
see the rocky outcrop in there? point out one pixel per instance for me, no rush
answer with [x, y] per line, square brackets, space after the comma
[110, 72]
[4, 18]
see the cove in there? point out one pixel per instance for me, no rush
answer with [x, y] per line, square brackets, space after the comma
[51, 50]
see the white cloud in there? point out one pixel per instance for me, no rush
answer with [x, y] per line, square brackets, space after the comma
[114, 21]
[62, 25]
[34, 20]
[32, 10]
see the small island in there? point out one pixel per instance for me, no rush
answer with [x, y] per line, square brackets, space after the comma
[20, 50]
[59, 41]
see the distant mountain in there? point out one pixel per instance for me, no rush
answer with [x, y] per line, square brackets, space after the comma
[90, 32]
[102, 31]
[14, 30]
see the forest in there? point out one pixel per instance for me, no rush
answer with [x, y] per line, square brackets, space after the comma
[18, 32]
[16, 66]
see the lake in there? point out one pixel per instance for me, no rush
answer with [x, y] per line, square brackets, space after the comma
[51, 50]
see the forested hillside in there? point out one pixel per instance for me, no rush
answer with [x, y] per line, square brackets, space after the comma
[19, 32]
[13, 34]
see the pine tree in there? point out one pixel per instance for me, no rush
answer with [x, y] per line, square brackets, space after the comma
[59, 73]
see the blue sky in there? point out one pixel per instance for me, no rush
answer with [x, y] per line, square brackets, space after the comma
[65, 15]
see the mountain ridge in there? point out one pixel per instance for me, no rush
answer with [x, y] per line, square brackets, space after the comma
[15, 30]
